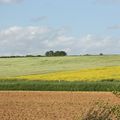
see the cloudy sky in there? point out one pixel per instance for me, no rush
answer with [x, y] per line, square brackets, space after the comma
[76, 26]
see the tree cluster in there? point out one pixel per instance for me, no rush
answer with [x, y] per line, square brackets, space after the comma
[56, 53]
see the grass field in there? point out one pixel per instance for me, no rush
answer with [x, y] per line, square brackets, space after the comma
[105, 69]
[38, 65]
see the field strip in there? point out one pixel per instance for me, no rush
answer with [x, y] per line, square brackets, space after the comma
[95, 74]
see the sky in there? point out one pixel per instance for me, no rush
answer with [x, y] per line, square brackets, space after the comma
[75, 26]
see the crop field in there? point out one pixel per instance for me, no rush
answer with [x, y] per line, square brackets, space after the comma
[36, 88]
[61, 73]
[49, 105]
[105, 73]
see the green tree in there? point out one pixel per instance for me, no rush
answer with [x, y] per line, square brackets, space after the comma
[60, 53]
[49, 53]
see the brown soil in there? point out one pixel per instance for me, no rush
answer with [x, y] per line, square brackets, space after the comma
[49, 105]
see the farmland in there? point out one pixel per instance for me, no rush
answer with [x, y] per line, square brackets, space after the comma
[105, 73]
[49, 105]
[85, 73]
[44, 88]
[10, 67]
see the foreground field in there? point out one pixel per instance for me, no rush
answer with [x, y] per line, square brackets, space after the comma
[49, 105]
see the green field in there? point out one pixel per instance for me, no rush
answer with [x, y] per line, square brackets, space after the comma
[14, 67]
[27, 66]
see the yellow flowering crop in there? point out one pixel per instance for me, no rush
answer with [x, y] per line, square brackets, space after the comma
[103, 73]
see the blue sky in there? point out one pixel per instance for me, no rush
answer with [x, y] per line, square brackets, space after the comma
[77, 26]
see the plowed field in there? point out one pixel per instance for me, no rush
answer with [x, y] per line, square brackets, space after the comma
[49, 105]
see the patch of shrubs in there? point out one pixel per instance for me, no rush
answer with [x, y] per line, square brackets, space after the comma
[104, 111]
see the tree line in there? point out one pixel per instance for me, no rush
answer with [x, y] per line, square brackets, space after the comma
[50, 53]
[47, 54]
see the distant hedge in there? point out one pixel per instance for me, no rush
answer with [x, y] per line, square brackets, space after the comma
[21, 56]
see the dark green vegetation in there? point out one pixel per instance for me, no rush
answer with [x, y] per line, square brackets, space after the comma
[47, 54]
[59, 86]
[56, 53]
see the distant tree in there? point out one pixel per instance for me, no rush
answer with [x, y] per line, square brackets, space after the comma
[56, 53]
[49, 53]
[60, 53]
[101, 54]
[63, 53]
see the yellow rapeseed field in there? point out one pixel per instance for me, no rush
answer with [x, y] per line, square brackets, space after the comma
[96, 74]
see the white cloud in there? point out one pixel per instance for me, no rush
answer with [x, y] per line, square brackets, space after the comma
[10, 1]
[31, 40]
[18, 40]
[96, 44]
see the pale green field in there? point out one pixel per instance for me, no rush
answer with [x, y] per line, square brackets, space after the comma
[12, 67]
